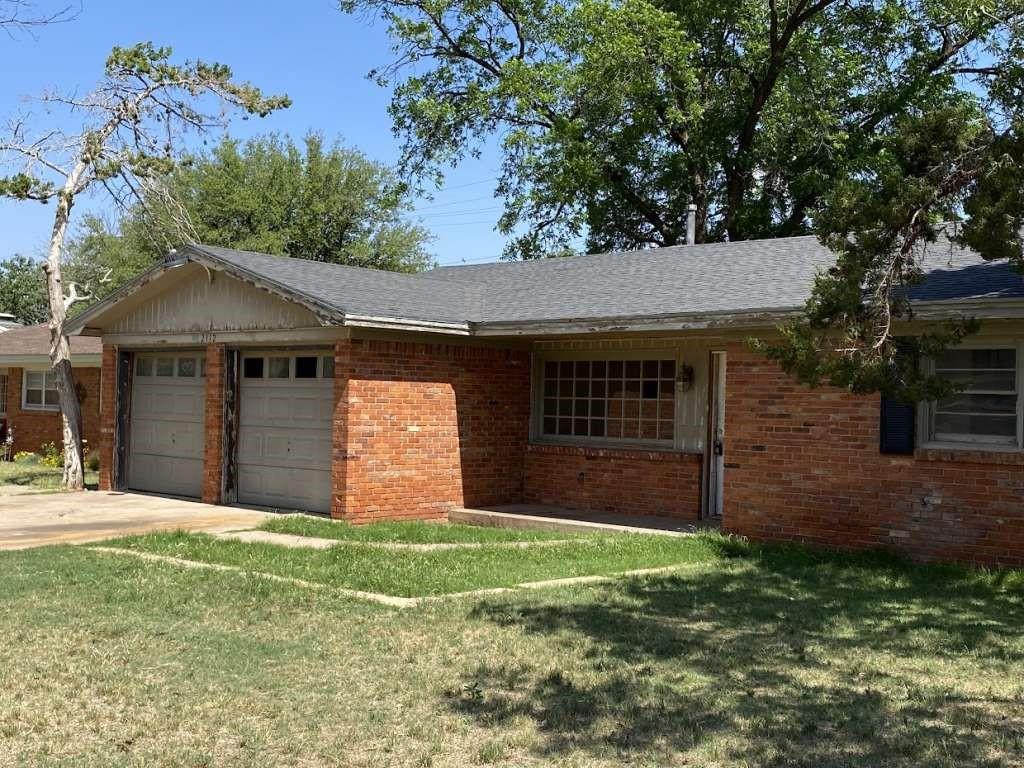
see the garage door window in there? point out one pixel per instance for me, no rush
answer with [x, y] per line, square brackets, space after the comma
[144, 366]
[279, 367]
[327, 367]
[187, 367]
[40, 391]
[165, 366]
[305, 367]
[252, 368]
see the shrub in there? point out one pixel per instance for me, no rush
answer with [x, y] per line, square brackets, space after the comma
[52, 455]
[26, 457]
[92, 461]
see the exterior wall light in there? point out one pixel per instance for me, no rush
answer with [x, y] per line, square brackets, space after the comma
[685, 377]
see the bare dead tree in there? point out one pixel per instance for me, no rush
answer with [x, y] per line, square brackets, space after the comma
[133, 125]
[22, 16]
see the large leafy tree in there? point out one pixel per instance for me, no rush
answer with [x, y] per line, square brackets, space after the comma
[128, 134]
[326, 203]
[614, 115]
[23, 289]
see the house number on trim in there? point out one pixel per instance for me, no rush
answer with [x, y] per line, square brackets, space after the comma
[207, 337]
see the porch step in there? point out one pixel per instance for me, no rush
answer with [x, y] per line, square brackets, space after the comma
[542, 518]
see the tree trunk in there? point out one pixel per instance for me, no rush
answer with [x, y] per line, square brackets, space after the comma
[60, 347]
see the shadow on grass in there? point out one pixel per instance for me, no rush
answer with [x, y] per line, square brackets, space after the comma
[779, 656]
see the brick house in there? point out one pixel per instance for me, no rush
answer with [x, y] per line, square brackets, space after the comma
[619, 382]
[28, 393]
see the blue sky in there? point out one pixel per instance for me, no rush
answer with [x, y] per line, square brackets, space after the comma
[308, 49]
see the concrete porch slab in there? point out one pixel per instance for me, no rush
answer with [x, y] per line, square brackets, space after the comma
[545, 518]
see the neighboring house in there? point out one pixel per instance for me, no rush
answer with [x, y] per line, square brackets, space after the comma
[7, 322]
[618, 382]
[28, 393]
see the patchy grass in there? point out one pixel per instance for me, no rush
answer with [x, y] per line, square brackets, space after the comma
[415, 574]
[402, 532]
[37, 477]
[771, 657]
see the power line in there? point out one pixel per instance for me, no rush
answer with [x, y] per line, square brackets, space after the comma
[466, 212]
[453, 202]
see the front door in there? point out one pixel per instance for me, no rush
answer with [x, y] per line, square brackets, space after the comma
[715, 451]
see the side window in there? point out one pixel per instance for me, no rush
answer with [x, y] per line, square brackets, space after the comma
[985, 410]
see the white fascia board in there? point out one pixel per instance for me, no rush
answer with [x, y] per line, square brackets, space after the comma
[404, 324]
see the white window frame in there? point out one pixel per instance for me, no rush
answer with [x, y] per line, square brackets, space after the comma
[5, 388]
[47, 377]
[926, 411]
[537, 399]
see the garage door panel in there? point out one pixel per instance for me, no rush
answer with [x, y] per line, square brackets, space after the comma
[284, 442]
[166, 434]
[284, 488]
[181, 477]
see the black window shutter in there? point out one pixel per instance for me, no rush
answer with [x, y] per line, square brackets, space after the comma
[896, 432]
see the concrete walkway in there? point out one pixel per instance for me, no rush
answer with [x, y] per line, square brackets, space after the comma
[72, 518]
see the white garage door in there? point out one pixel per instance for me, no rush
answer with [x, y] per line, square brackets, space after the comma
[166, 433]
[284, 430]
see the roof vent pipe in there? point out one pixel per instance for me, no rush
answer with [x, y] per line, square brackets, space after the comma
[691, 224]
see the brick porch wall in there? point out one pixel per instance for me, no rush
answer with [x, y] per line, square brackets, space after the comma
[34, 428]
[804, 465]
[421, 428]
[612, 480]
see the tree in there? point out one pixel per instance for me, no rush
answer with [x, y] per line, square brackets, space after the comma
[322, 203]
[614, 115]
[21, 16]
[23, 289]
[132, 125]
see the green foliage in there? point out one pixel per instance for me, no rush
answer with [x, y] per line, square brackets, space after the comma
[884, 220]
[51, 455]
[23, 289]
[26, 457]
[615, 114]
[325, 203]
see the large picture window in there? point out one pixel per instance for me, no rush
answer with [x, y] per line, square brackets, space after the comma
[40, 391]
[609, 400]
[986, 410]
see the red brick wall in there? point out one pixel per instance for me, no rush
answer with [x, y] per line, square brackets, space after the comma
[34, 428]
[108, 408]
[213, 426]
[613, 480]
[804, 465]
[420, 428]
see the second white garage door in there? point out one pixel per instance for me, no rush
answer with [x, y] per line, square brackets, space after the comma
[284, 430]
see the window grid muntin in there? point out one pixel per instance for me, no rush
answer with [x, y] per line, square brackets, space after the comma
[1014, 417]
[40, 391]
[616, 399]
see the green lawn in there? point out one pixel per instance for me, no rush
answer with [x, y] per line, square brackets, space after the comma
[37, 476]
[752, 657]
[406, 532]
[415, 574]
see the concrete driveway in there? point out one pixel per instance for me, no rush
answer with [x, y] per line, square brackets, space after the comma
[72, 518]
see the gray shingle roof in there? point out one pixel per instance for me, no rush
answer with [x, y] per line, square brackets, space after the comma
[743, 277]
[358, 291]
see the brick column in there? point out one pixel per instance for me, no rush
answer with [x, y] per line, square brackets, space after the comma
[213, 425]
[108, 416]
[340, 456]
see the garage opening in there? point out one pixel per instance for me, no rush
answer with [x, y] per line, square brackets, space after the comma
[165, 449]
[286, 401]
